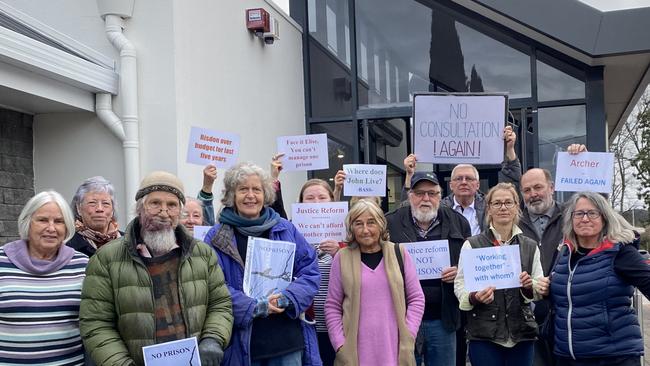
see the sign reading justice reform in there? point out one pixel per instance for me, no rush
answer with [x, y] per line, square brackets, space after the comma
[459, 128]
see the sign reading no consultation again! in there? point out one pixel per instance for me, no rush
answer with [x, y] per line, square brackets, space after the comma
[459, 128]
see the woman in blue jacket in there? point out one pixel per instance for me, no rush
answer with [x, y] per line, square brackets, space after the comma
[267, 331]
[592, 286]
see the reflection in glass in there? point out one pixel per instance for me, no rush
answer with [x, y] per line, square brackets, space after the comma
[329, 24]
[406, 47]
[559, 127]
[553, 84]
[331, 85]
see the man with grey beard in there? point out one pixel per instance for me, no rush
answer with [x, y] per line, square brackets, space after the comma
[424, 220]
[155, 284]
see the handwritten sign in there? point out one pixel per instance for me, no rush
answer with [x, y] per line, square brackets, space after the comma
[452, 128]
[306, 152]
[320, 221]
[494, 266]
[181, 352]
[588, 171]
[212, 147]
[364, 180]
[200, 231]
[430, 257]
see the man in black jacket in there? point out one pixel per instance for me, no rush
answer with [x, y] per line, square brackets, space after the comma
[424, 220]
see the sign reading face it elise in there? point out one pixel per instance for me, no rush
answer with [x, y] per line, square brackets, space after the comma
[459, 128]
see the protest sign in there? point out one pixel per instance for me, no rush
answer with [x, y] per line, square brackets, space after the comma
[180, 352]
[306, 152]
[200, 231]
[587, 171]
[269, 266]
[212, 147]
[320, 221]
[459, 128]
[430, 257]
[497, 266]
[364, 180]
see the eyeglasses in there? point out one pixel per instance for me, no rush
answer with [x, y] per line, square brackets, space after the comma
[157, 207]
[420, 194]
[461, 178]
[497, 205]
[591, 214]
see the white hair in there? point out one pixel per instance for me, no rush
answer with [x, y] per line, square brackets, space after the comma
[38, 201]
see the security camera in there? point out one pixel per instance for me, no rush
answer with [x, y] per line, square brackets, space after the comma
[269, 38]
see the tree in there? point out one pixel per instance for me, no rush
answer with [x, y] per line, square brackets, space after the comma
[642, 160]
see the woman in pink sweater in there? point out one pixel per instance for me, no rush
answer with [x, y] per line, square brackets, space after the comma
[373, 308]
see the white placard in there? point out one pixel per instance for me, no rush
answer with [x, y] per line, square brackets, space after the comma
[453, 129]
[269, 266]
[430, 257]
[498, 266]
[212, 147]
[587, 171]
[181, 352]
[364, 180]
[320, 221]
[305, 152]
[200, 231]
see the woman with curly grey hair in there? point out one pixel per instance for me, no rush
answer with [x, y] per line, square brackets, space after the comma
[592, 285]
[267, 330]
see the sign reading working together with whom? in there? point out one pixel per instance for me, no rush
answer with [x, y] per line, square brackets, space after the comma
[453, 128]
[220, 149]
[305, 152]
[180, 352]
[364, 180]
[498, 266]
[430, 257]
[587, 171]
[320, 221]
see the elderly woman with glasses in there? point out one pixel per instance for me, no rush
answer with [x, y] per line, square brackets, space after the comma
[93, 207]
[501, 328]
[267, 330]
[375, 303]
[592, 284]
[40, 287]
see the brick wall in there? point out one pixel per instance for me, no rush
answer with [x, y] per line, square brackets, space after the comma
[16, 170]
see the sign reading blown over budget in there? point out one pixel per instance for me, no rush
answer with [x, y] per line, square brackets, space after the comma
[498, 266]
[320, 221]
[459, 128]
[212, 147]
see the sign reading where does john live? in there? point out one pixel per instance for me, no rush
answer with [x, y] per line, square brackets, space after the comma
[364, 180]
[459, 128]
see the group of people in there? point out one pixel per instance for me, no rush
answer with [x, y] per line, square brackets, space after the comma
[75, 289]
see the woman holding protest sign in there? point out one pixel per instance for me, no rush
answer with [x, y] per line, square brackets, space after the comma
[501, 328]
[268, 329]
[375, 303]
[592, 285]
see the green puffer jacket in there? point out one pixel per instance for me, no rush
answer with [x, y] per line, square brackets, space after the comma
[117, 307]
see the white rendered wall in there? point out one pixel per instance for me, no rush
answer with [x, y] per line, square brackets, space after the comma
[228, 80]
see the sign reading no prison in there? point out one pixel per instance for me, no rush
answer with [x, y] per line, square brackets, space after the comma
[459, 128]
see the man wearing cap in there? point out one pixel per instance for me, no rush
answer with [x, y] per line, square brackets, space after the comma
[464, 183]
[155, 284]
[424, 220]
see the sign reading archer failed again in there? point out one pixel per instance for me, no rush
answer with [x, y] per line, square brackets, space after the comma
[364, 180]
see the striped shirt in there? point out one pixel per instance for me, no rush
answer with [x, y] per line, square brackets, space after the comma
[39, 314]
[324, 265]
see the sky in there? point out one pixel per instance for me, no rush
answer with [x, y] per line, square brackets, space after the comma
[609, 5]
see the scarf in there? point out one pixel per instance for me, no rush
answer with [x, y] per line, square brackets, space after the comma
[95, 238]
[250, 227]
[18, 254]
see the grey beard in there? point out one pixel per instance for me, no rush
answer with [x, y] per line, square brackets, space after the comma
[424, 217]
[160, 242]
[540, 208]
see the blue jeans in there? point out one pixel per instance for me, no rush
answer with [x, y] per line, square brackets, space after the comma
[486, 353]
[290, 359]
[439, 345]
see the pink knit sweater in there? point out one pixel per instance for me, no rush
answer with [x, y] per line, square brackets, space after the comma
[378, 339]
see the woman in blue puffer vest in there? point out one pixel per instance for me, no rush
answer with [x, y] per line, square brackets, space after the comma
[592, 285]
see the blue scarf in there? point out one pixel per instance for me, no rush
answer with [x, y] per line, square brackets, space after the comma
[251, 227]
